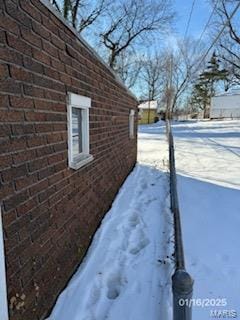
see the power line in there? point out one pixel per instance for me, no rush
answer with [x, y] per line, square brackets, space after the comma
[219, 34]
[208, 22]
[189, 19]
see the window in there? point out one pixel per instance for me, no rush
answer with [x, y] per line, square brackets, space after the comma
[78, 130]
[131, 124]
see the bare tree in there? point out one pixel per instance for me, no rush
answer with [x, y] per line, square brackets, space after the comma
[229, 43]
[181, 68]
[80, 13]
[152, 75]
[131, 21]
[129, 67]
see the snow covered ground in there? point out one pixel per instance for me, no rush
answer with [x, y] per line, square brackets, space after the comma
[127, 272]
[208, 166]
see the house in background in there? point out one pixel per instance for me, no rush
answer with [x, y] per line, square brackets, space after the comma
[68, 141]
[147, 112]
[226, 105]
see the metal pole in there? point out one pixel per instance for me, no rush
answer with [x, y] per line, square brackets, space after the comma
[182, 287]
[182, 283]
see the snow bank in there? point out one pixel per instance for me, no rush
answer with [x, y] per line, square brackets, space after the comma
[208, 166]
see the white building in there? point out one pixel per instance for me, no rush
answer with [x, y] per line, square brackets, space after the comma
[225, 106]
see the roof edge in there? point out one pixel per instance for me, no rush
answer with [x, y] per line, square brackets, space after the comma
[50, 7]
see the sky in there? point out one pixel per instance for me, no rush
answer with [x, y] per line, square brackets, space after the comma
[200, 15]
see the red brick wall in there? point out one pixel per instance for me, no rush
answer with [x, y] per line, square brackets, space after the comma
[50, 211]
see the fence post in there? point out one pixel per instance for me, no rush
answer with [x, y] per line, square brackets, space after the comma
[182, 287]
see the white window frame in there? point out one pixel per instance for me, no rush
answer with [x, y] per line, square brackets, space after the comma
[83, 103]
[131, 124]
[3, 283]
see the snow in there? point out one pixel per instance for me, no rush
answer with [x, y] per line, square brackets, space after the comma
[127, 271]
[126, 274]
[208, 166]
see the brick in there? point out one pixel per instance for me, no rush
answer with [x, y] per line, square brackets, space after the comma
[55, 96]
[43, 127]
[58, 65]
[19, 45]
[44, 11]
[51, 27]
[60, 146]
[45, 173]
[49, 48]
[60, 166]
[65, 79]
[35, 116]
[38, 187]
[2, 37]
[11, 116]
[56, 177]
[23, 156]
[22, 129]
[25, 181]
[54, 158]
[4, 102]
[4, 74]
[54, 137]
[12, 145]
[30, 37]
[15, 200]
[9, 217]
[10, 56]
[48, 83]
[65, 58]
[10, 86]
[41, 56]
[57, 107]
[31, 91]
[44, 151]
[5, 161]
[30, 10]
[27, 206]
[21, 102]
[51, 73]
[6, 190]
[41, 31]
[59, 126]
[36, 165]
[32, 65]
[20, 74]
[14, 173]
[65, 37]
[17, 14]
[9, 24]
[43, 196]
[5, 130]
[36, 140]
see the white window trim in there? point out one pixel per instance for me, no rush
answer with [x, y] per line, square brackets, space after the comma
[131, 124]
[3, 282]
[84, 103]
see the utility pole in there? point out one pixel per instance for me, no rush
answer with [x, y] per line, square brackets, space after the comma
[169, 88]
[149, 105]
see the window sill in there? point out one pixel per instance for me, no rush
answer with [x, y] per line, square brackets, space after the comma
[81, 161]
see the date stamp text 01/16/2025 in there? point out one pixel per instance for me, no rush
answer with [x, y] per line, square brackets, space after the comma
[218, 303]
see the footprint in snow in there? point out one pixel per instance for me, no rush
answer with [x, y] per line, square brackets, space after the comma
[133, 220]
[114, 285]
[138, 242]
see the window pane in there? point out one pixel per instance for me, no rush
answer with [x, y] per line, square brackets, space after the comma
[76, 131]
